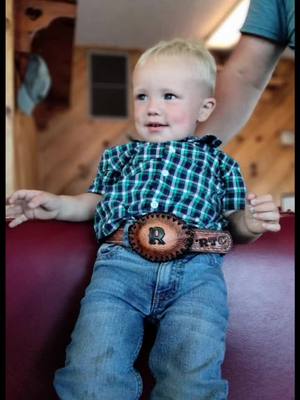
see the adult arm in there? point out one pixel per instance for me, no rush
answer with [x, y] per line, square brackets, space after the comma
[240, 83]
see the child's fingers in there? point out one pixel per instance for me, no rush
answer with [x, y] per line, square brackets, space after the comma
[13, 211]
[263, 207]
[263, 212]
[266, 198]
[19, 195]
[18, 220]
[27, 200]
[271, 226]
[267, 217]
[251, 196]
[42, 199]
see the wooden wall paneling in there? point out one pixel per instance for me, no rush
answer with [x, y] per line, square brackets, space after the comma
[21, 151]
[26, 152]
[71, 146]
[24, 18]
[259, 141]
[55, 45]
[33, 15]
[275, 179]
[74, 155]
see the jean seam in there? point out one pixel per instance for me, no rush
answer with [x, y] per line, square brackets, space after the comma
[139, 381]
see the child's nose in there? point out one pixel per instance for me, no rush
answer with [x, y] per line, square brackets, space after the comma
[153, 108]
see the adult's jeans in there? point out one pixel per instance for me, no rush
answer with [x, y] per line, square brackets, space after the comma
[186, 298]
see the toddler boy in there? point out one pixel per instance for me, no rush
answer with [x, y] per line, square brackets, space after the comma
[161, 208]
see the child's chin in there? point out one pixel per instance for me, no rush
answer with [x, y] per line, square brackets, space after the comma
[157, 138]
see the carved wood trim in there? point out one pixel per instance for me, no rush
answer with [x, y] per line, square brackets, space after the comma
[33, 15]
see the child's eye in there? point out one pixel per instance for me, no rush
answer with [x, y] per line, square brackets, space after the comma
[141, 97]
[170, 96]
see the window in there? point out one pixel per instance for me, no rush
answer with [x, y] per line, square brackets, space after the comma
[109, 85]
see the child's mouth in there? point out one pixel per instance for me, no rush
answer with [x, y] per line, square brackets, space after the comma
[155, 127]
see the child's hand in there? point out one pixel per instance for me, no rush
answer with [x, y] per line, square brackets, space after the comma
[261, 214]
[23, 205]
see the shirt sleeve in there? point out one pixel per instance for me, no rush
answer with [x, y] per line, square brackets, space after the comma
[98, 183]
[110, 168]
[235, 188]
[271, 19]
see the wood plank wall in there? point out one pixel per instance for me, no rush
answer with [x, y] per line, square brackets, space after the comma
[70, 148]
[267, 165]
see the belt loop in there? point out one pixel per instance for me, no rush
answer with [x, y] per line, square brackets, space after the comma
[127, 225]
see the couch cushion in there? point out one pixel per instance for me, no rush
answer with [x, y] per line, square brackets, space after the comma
[49, 264]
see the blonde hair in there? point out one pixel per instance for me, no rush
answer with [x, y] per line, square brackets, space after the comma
[184, 47]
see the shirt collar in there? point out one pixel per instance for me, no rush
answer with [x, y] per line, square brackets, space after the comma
[210, 140]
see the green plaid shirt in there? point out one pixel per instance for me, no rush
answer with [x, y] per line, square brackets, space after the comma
[189, 178]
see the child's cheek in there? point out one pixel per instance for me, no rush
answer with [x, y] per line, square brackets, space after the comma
[180, 117]
[138, 112]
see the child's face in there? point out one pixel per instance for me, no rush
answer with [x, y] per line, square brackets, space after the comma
[169, 98]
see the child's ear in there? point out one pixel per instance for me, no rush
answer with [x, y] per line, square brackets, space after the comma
[207, 108]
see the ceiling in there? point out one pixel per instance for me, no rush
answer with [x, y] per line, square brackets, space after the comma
[138, 24]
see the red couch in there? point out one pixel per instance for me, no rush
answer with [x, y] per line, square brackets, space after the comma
[49, 264]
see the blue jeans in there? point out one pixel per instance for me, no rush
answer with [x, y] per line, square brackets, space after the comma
[187, 299]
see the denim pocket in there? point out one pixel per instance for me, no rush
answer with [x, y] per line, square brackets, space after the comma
[107, 250]
[212, 259]
[216, 259]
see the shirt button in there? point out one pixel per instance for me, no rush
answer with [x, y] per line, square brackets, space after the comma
[165, 172]
[154, 204]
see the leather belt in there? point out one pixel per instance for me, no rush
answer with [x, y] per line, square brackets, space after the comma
[163, 237]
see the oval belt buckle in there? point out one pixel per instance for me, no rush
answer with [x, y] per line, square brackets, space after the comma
[160, 237]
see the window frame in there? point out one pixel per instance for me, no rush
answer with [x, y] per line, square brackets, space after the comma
[91, 83]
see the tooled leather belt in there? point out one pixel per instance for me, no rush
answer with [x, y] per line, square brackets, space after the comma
[162, 237]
